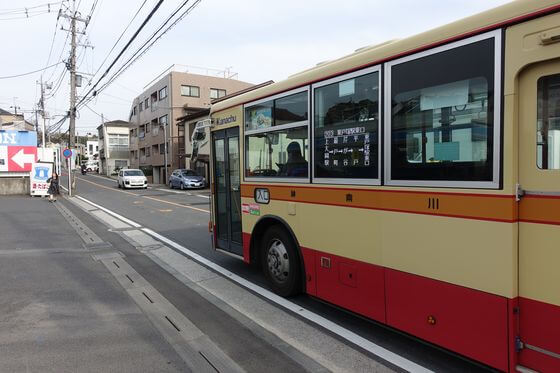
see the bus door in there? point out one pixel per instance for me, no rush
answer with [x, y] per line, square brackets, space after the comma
[227, 190]
[539, 215]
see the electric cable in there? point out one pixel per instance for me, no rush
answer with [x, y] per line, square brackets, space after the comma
[30, 72]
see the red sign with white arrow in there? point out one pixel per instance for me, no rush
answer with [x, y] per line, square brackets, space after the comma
[21, 158]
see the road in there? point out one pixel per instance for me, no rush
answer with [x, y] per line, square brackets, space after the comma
[182, 216]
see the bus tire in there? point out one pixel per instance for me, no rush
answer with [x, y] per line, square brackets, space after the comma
[280, 262]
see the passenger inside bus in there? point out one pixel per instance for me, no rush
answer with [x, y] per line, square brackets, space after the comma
[296, 164]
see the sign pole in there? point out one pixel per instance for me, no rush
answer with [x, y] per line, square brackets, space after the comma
[69, 160]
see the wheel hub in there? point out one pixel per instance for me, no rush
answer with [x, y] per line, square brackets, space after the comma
[278, 261]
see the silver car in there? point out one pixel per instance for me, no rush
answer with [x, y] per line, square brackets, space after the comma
[186, 179]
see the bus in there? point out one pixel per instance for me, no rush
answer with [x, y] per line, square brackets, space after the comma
[415, 183]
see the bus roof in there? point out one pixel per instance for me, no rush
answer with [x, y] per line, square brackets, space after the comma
[510, 13]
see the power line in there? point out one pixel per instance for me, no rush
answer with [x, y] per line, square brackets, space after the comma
[123, 50]
[25, 9]
[120, 37]
[30, 72]
[28, 15]
[141, 51]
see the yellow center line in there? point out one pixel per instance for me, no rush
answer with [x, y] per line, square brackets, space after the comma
[141, 196]
[175, 204]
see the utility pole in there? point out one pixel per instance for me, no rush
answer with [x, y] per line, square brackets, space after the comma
[42, 104]
[71, 65]
[73, 17]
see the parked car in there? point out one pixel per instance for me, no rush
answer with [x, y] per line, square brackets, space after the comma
[186, 179]
[132, 178]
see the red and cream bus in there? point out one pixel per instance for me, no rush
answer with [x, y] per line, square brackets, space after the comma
[416, 183]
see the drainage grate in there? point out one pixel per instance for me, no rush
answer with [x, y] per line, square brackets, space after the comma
[147, 297]
[83, 231]
[208, 361]
[172, 323]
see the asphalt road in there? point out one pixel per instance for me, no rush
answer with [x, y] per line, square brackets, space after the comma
[182, 216]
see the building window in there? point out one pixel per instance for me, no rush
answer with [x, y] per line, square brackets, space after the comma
[163, 93]
[153, 100]
[548, 122]
[217, 93]
[161, 148]
[147, 126]
[146, 103]
[140, 106]
[163, 121]
[190, 91]
[117, 142]
[155, 127]
[443, 127]
[91, 148]
[155, 149]
[277, 143]
[346, 128]
[147, 151]
[120, 163]
[134, 110]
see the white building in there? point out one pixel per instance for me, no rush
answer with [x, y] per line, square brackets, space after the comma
[92, 148]
[114, 144]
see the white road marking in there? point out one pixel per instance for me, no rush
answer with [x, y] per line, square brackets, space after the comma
[126, 220]
[169, 191]
[202, 196]
[346, 334]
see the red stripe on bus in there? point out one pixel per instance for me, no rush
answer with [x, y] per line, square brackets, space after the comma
[470, 322]
[540, 327]
[246, 238]
[467, 321]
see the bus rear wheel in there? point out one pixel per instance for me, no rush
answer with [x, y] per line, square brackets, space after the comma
[280, 263]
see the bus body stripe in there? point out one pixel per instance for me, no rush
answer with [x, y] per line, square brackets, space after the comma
[487, 207]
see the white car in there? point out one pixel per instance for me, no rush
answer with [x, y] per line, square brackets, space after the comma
[131, 178]
[92, 167]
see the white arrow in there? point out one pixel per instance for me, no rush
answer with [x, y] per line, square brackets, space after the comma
[21, 158]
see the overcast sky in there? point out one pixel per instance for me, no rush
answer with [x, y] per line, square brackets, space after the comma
[259, 40]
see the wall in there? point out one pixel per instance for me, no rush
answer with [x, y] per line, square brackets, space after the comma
[14, 185]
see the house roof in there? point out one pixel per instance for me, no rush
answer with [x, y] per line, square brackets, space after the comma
[115, 123]
[5, 112]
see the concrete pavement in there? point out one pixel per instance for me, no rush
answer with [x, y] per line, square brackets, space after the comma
[60, 310]
[83, 291]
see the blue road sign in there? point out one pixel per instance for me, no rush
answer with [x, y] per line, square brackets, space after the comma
[67, 153]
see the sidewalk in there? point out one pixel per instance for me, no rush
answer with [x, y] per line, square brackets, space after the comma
[61, 311]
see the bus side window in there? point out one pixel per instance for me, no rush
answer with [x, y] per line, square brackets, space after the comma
[548, 122]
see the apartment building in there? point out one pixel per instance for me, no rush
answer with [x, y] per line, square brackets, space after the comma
[114, 147]
[155, 134]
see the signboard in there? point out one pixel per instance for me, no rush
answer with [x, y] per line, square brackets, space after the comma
[262, 195]
[40, 173]
[67, 153]
[18, 150]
